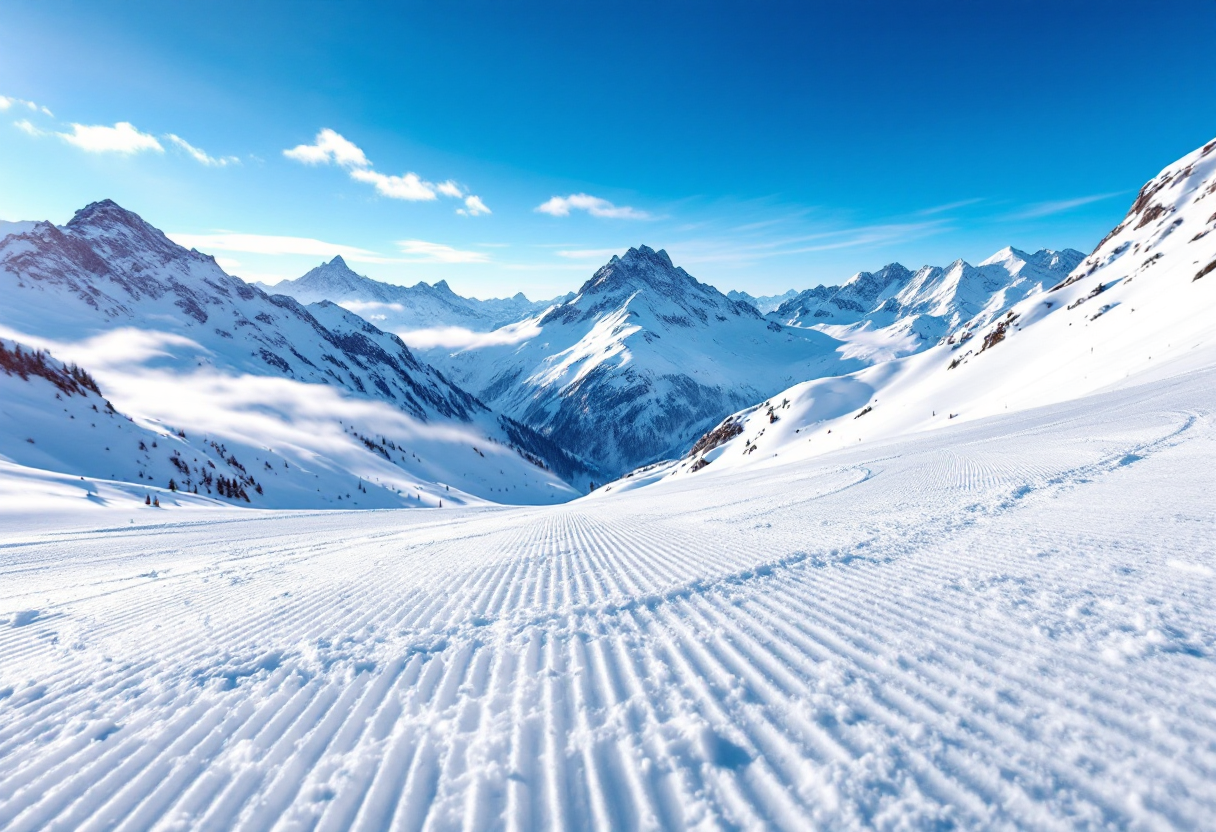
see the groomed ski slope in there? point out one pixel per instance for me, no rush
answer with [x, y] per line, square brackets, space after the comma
[1004, 624]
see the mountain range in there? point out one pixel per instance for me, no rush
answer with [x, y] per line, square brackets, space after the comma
[405, 308]
[315, 399]
[644, 358]
[1139, 308]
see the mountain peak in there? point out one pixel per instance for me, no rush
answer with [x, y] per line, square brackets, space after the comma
[338, 261]
[1006, 254]
[638, 267]
[122, 233]
[1054, 261]
[644, 254]
[104, 215]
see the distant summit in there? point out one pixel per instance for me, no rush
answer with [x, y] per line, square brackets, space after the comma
[637, 364]
[897, 311]
[405, 308]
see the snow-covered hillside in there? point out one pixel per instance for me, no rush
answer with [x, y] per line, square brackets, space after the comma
[895, 312]
[1011, 625]
[639, 363]
[174, 341]
[421, 314]
[1141, 305]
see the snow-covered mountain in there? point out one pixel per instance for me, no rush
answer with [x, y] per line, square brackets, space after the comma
[895, 311]
[173, 340]
[642, 360]
[404, 309]
[765, 303]
[1140, 308]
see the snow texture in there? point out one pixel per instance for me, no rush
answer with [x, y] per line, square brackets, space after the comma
[1007, 624]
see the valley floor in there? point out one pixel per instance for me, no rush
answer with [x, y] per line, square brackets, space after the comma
[1006, 624]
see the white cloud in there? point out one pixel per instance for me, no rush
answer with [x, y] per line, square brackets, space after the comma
[560, 206]
[274, 245]
[329, 146]
[473, 207]
[439, 253]
[201, 157]
[27, 127]
[6, 102]
[121, 138]
[590, 253]
[332, 147]
[950, 206]
[409, 187]
[455, 337]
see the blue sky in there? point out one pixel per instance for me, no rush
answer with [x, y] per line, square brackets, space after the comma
[509, 147]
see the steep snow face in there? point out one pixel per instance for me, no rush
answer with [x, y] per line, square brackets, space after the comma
[406, 310]
[1140, 307]
[640, 362]
[174, 339]
[894, 312]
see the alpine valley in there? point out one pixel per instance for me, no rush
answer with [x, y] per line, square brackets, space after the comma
[929, 549]
[307, 393]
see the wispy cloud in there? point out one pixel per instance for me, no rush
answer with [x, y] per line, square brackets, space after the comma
[590, 253]
[26, 126]
[422, 251]
[745, 251]
[7, 102]
[409, 187]
[473, 207]
[949, 206]
[454, 337]
[122, 138]
[331, 147]
[1046, 209]
[274, 245]
[200, 156]
[561, 206]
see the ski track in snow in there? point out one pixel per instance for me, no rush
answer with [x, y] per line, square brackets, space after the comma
[1009, 624]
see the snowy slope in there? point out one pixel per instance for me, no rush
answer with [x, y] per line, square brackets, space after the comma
[404, 309]
[1141, 305]
[639, 363]
[895, 312]
[1010, 625]
[173, 339]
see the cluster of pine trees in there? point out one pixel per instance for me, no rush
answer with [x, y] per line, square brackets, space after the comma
[231, 489]
[68, 378]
